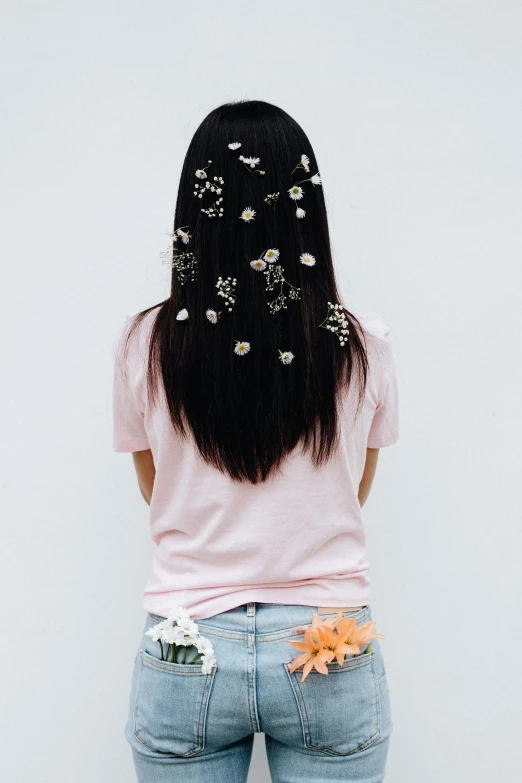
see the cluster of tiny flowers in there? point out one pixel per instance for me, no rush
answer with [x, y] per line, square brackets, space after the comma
[178, 631]
[185, 265]
[227, 289]
[275, 275]
[336, 322]
[214, 210]
[271, 199]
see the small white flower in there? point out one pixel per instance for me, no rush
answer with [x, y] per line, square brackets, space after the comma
[307, 259]
[295, 192]
[305, 162]
[156, 632]
[300, 213]
[286, 356]
[252, 162]
[235, 145]
[212, 316]
[316, 179]
[185, 236]
[182, 315]
[208, 662]
[178, 613]
[248, 214]
[271, 255]
[241, 348]
[201, 174]
[258, 264]
[204, 645]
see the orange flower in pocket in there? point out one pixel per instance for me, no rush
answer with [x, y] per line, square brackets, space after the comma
[334, 637]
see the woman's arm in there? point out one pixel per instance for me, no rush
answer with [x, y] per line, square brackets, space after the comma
[369, 472]
[145, 471]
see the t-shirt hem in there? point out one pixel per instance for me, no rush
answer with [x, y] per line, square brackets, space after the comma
[354, 594]
[134, 444]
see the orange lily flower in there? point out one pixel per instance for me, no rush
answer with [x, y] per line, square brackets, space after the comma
[314, 653]
[335, 644]
[334, 637]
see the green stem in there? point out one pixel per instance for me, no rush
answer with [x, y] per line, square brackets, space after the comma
[194, 658]
[161, 648]
[184, 654]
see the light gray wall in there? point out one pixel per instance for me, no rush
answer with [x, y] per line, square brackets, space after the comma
[414, 112]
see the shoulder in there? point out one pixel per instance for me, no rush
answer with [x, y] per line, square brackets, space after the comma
[373, 324]
[134, 332]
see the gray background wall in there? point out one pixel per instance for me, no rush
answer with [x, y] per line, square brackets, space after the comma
[414, 112]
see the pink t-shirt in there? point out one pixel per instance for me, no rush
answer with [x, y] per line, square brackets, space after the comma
[297, 538]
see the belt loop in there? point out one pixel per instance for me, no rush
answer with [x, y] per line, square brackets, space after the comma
[251, 608]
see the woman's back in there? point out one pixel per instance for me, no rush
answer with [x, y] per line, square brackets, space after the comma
[296, 537]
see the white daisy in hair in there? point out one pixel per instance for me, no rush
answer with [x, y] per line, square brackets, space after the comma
[305, 162]
[258, 264]
[252, 162]
[248, 214]
[182, 315]
[212, 316]
[316, 179]
[235, 145]
[185, 236]
[295, 192]
[300, 213]
[201, 174]
[286, 356]
[271, 255]
[307, 259]
[241, 347]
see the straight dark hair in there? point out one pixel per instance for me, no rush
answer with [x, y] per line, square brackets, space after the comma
[247, 412]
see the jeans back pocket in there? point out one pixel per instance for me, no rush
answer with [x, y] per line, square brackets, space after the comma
[170, 705]
[340, 711]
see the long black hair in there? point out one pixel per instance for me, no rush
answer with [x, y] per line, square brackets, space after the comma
[247, 411]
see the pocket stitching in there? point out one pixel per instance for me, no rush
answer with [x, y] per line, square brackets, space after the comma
[305, 723]
[200, 731]
[172, 666]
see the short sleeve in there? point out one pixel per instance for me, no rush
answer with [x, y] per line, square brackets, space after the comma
[384, 430]
[128, 393]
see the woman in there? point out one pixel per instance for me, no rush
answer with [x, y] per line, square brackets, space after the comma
[254, 406]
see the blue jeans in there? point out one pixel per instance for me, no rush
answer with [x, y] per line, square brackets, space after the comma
[191, 727]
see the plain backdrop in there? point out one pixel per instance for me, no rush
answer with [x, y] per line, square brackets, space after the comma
[414, 112]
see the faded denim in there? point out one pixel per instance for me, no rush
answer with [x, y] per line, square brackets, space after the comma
[191, 727]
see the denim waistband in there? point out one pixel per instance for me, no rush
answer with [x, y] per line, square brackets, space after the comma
[263, 619]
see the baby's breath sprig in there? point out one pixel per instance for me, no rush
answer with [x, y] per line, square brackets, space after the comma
[214, 210]
[274, 275]
[250, 164]
[227, 289]
[185, 265]
[336, 322]
[271, 199]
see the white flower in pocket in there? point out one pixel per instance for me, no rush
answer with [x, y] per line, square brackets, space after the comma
[179, 631]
